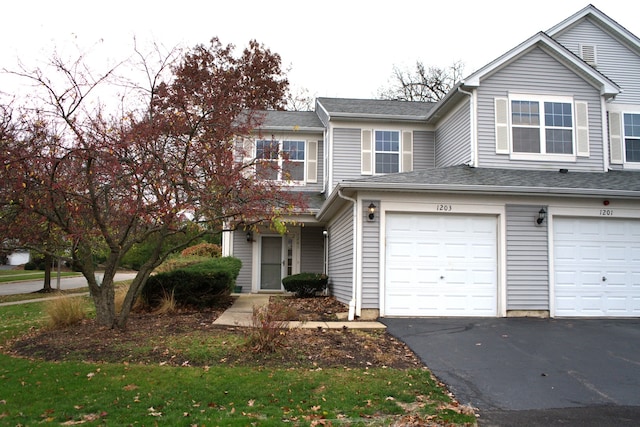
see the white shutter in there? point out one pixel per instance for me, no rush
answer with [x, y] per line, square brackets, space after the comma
[582, 129]
[367, 153]
[615, 138]
[312, 161]
[502, 125]
[407, 151]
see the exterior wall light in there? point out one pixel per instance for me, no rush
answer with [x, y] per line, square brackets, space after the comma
[542, 214]
[249, 236]
[372, 211]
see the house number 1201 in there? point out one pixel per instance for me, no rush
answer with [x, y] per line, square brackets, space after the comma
[444, 208]
[606, 212]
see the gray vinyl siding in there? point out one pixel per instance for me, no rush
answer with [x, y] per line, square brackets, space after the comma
[341, 255]
[453, 139]
[311, 250]
[243, 250]
[614, 59]
[539, 73]
[527, 260]
[424, 151]
[346, 154]
[370, 257]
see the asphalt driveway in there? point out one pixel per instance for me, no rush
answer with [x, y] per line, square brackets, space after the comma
[533, 372]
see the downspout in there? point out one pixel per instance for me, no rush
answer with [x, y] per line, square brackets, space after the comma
[472, 128]
[352, 303]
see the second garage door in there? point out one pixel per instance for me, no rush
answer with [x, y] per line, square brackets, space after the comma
[440, 265]
[597, 267]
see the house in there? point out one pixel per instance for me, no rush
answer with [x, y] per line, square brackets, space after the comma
[518, 194]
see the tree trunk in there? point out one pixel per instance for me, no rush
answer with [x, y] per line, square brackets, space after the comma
[48, 260]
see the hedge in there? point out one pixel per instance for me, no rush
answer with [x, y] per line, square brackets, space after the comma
[305, 284]
[196, 285]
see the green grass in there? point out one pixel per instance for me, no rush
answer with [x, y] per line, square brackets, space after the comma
[16, 275]
[35, 392]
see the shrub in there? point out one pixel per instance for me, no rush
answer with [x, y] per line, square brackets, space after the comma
[198, 284]
[305, 284]
[267, 333]
[65, 311]
[203, 249]
[30, 266]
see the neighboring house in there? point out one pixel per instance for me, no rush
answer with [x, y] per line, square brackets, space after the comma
[517, 194]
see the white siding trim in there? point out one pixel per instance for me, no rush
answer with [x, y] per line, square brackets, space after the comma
[605, 139]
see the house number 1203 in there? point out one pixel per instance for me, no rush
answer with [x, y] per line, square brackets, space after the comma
[444, 208]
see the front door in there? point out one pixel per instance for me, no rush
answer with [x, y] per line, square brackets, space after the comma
[271, 263]
[277, 260]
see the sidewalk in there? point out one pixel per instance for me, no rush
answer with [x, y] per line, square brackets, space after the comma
[239, 314]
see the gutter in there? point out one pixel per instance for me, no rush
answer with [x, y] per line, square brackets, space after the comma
[356, 279]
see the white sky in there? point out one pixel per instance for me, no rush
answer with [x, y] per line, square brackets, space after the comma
[344, 48]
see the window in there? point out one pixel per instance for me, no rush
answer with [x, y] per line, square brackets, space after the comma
[387, 151]
[280, 160]
[542, 127]
[632, 137]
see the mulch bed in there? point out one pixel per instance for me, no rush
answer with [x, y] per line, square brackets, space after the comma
[305, 348]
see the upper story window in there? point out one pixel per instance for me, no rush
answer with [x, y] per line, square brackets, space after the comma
[293, 161]
[549, 132]
[280, 160]
[387, 155]
[386, 151]
[632, 137]
[541, 128]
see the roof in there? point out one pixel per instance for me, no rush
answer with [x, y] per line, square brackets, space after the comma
[601, 19]
[291, 120]
[374, 109]
[607, 87]
[467, 179]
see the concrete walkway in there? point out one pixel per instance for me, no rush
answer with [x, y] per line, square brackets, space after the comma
[239, 314]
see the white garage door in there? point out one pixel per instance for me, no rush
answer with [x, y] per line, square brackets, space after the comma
[440, 265]
[597, 267]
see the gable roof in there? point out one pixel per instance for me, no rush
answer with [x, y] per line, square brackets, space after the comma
[607, 87]
[374, 109]
[600, 19]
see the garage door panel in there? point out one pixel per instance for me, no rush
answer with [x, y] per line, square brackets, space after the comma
[602, 276]
[453, 263]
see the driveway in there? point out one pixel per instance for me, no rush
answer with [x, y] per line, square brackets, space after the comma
[533, 372]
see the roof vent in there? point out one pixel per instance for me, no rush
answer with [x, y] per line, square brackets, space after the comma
[564, 170]
[588, 54]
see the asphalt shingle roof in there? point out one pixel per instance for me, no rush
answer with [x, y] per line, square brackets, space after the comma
[289, 119]
[468, 178]
[376, 107]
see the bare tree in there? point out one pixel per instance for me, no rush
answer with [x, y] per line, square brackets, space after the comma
[299, 100]
[425, 84]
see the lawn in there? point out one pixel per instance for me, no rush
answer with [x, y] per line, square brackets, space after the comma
[71, 392]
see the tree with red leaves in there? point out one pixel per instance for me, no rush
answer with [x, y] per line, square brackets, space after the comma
[97, 179]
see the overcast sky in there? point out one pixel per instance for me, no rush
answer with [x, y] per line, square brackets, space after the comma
[335, 48]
